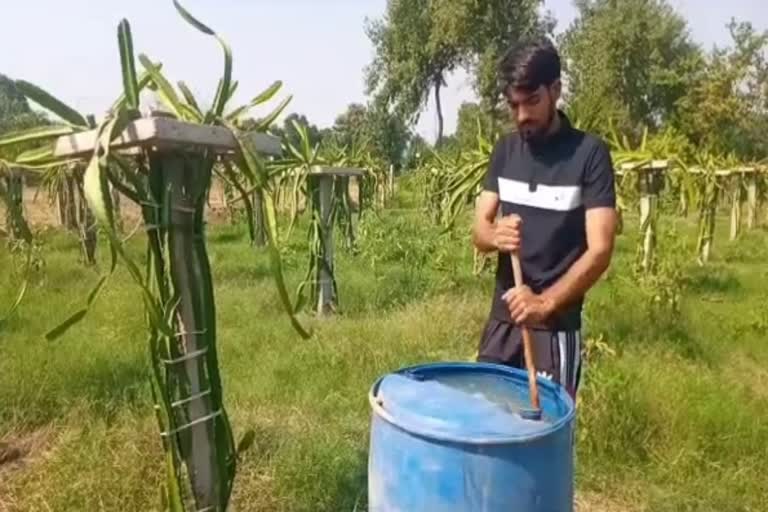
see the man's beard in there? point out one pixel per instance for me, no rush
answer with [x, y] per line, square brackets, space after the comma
[538, 134]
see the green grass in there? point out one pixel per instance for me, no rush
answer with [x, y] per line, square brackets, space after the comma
[673, 419]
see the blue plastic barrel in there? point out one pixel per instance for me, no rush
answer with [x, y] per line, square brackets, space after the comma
[448, 437]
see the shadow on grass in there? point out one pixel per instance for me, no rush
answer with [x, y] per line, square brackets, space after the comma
[350, 489]
[228, 234]
[105, 389]
[626, 321]
[242, 270]
[712, 280]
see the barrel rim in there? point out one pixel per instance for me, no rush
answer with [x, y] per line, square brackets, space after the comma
[550, 386]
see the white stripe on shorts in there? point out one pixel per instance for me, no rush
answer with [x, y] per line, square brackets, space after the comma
[561, 339]
[569, 347]
[577, 357]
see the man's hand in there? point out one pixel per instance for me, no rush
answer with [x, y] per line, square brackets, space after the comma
[525, 307]
[506, 235]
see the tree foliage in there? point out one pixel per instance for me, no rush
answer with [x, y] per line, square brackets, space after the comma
[287, 131]
[471, 122]
[419, 42]
[383, 135]
[491, 27]
[628, 62]
[726, 109]
[15, 112]
[411, 59]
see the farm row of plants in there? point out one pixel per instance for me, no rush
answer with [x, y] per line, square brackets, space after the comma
[660, 174]
[660, 181]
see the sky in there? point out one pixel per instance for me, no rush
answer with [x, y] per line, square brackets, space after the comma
[318, 48]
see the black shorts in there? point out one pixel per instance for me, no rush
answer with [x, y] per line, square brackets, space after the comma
[557, 354]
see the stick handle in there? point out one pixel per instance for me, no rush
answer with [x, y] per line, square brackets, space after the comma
[527, 343]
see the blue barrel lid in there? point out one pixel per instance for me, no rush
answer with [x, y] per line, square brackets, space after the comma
[468, 402]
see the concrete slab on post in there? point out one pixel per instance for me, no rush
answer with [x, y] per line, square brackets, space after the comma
[166, 133]
[337, 171]
[653, 165]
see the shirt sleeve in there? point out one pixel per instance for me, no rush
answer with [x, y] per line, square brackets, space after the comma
[495, 166]
[599, 184]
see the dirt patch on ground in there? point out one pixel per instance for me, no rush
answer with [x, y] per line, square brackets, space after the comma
[18, 450]
[20, 454]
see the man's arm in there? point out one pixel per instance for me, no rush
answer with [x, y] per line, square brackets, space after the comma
[584, 273]
[599, 197]
[483, 230]
[490, 234]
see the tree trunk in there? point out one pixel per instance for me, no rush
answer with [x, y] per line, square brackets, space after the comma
[439, 107]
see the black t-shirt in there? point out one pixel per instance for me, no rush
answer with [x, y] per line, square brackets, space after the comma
[549, 185]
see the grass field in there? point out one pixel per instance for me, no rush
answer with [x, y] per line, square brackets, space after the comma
[673, 413]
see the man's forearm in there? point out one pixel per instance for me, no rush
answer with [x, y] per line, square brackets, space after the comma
[483, 237]
[575, 283]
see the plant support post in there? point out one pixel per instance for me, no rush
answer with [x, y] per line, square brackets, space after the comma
[326, 300]
[16, 223]
[259, 223]
[736, 200]
[651, 182]
[84, 220]
[323, 180]
[751, 199]
[186, 384]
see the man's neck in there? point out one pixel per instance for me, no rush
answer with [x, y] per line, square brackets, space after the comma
[554, 126]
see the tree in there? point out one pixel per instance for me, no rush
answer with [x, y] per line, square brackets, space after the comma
[628, 62]
[288, 131]
[417, 153]
[471, 121]
[419, 42]
[491, 27]
[383, 134]
[726, 109]
[15, 113]
[351, 125]
[411, 60]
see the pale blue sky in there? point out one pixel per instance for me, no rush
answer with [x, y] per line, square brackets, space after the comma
[317, 47]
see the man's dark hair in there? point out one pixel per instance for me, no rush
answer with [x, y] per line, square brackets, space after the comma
[529, 65]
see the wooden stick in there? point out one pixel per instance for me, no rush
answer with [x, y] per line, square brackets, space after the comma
[527, 343]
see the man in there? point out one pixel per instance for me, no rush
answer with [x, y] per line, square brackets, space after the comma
[555, 187]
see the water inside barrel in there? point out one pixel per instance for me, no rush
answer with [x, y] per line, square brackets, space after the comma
[492, 388]
[465, 404]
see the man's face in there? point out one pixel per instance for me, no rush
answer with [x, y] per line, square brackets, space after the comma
[533, 110]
